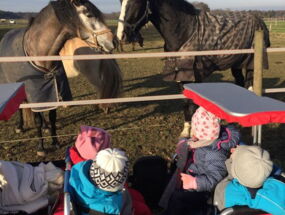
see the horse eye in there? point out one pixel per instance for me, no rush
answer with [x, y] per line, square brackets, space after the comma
[89, 15]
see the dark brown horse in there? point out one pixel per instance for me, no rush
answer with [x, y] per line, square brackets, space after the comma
[46, 81]
[184, 28]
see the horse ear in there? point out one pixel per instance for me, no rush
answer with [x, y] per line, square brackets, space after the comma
[75, 2]
[78, 2]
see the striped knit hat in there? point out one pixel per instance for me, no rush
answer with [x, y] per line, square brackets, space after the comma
[109, 170]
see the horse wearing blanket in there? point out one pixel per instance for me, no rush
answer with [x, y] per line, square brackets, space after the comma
[46, 81]
[185, 28]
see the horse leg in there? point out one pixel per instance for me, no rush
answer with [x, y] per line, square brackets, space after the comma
[188, 109]
[39, 123]
[45, 127]
[20, 127]
[133, 46]
[52, 119]
[239, 78]
[249, 79]
[121, 46]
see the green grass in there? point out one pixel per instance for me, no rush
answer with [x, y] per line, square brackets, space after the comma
[5, 27]
[278, 27]
[146, 128]
[112, 22]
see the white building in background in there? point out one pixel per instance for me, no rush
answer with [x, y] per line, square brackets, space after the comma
[12, 21]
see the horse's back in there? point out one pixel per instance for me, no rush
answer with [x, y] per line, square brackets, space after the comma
[68, 50]
[104, 74]
[39, 86]
[226, 31]
[10, 42]
[11, 45]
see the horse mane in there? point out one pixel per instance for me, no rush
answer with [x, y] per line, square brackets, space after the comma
[31, 21]
[99, 14]
[183, 6]
[68, 16]
[66, 13]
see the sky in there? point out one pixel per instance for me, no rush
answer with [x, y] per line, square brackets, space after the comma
[108, 6]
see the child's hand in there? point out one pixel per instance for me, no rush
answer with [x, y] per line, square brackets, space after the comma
[188, 181]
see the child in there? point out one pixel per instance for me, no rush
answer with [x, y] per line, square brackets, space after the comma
[208, 149]
[249, 183]
[98, 186]
[89, 142]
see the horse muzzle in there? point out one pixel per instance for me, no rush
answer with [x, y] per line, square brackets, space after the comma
[103, 40]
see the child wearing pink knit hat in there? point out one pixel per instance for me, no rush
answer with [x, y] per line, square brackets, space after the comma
[201, 162]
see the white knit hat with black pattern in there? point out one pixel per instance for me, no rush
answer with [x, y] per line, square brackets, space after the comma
[109, 170]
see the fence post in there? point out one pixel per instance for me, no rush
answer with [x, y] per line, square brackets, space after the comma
[258, 76]
[258, 62]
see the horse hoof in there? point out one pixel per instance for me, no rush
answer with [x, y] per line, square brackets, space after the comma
[41, 153]
[106, 110]
[19, 130]
[184, 135]
[45, 130]
[56, 145]
[186, 130]
[250, 88]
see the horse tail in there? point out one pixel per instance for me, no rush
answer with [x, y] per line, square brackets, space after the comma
[266, 34]
[28, 118]
[104, 75]
[263, 27]
[110, 84]
[31, 21]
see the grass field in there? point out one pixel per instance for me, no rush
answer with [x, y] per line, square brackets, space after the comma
[278, 27]
[147, 128]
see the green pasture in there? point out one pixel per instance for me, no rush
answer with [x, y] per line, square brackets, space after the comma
[112, 22]
[278, 27]
[146, 128]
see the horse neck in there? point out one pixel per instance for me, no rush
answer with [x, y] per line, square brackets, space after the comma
[174, 26]
[46, 36]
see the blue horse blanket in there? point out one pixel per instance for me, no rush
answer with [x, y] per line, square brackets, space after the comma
[39, 86]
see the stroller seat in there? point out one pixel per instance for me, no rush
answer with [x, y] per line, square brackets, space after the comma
[242, 210]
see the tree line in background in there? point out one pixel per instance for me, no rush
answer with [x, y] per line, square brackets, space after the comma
[203, 6]
[115, 15]
[15, 15]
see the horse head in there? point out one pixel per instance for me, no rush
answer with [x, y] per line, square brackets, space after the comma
[93, 28]
[134, 15]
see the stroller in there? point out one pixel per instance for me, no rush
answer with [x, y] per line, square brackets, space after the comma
[89, 142]
[223, 100]
[31, 188]
[131, 194]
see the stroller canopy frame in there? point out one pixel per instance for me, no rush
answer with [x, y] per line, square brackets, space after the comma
[11, 96]
[236, 104]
